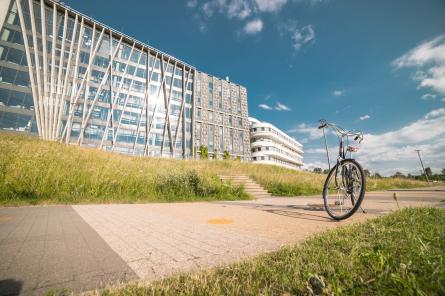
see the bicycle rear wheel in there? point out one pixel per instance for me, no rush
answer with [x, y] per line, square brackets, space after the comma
[344, 189]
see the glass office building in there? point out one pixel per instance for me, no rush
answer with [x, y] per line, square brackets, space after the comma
[66, 77]
[69, 78]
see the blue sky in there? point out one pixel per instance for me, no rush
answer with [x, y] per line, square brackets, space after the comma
[377, 66]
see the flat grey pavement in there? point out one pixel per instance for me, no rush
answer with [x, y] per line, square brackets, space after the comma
[84, 247]
[51, 248]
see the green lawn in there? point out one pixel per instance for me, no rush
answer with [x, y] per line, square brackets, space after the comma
[34, 171]
[399, 254]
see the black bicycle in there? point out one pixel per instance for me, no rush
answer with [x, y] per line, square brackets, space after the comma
[344, 188]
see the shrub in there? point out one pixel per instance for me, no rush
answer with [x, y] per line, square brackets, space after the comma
[204, 151]
[226, 155]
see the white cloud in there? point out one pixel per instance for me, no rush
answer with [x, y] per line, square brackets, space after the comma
[315, 164]
[395, 149]
[338, 92]
[426, 97]
[364, 117]
[208, 9]
[300, 36]
[265, 106]
[253, 26]
[238, 9]
[192, 3]
[278, 107]
[282, 107]
[270, 5]
[312, 132]
[429, 59]
[435, 113]
[390, 151]
[311, 2]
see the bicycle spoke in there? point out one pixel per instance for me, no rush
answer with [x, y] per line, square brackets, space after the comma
[344, 187]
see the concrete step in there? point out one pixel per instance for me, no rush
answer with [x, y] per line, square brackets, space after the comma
[261, 195]
[250, 186]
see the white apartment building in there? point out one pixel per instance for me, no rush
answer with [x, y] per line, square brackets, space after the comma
[270, 145]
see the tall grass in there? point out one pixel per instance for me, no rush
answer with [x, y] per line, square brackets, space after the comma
[36, 171]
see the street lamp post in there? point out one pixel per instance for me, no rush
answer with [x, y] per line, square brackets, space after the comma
[421, 162]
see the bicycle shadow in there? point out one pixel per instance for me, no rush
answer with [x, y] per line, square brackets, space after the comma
[292, 211]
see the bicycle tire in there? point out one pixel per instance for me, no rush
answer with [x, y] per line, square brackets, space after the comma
[358, 201]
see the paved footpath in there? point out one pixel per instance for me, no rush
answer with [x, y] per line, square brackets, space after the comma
[85, 247]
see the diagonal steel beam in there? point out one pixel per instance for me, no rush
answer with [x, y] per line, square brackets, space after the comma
[53, 79]
[67, 129]
[45, 69]
[114, 100]
[67, 72]
[37, 67]
[167, 105]
[93, 104]
[157, 97]
[60, 102]
[30, 69]
[184, 94]
[125, 103]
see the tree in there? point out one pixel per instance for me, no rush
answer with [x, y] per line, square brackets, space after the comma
[367, 173]
[204, 151]
[326, 171]
[377, 175]
[215, 154]
[398, 175]
[226, 155]
[428, 172]
[443, 172]
[317, 170]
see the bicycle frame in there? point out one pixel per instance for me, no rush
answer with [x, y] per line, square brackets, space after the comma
[342, 135]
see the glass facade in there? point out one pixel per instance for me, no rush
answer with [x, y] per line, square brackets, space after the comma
[66, 77]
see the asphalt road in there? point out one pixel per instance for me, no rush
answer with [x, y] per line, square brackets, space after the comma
[87, 247]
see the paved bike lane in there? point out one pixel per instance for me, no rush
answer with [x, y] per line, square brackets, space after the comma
[85, 247]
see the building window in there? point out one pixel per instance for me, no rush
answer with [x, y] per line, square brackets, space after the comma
[221, 139]
[210, 116]
[229, 101]
[198, 113]
[241, 142]
[230, 120]
[240, 122]
[239, 100]
[210, 94]
[220, 100]
[211, 129]
[198, 134]
[231, 140]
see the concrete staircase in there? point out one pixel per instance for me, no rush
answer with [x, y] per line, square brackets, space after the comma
[250, 186]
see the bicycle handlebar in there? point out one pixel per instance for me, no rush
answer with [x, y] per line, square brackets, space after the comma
[358, 134]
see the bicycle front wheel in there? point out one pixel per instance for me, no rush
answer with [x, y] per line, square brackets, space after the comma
[344, 189]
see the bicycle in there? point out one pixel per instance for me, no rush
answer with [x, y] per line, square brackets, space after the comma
[344, 188]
